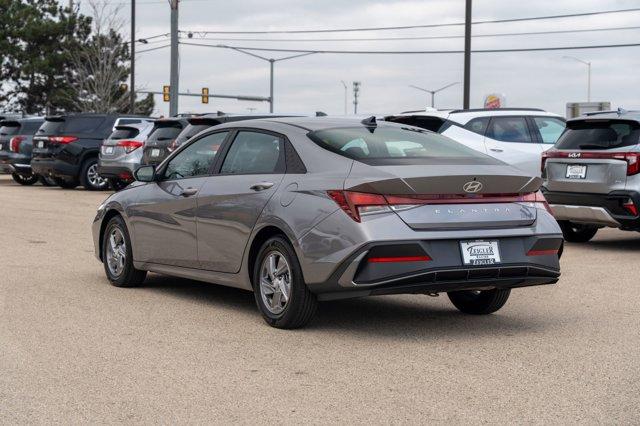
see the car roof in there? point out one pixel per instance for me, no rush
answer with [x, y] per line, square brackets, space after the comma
[307, 123]
[463, 116]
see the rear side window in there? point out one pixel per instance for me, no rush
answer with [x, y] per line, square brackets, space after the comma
[509, 129]
[599, 134]
[550, 128]
[391, 145]
[166, 133]
[253, 152]
[478, 125]
[124, 133]
[11, 128]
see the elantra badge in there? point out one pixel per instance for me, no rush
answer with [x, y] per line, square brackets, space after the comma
[472, 186]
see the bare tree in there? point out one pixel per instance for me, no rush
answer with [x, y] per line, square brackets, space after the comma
[100, 65]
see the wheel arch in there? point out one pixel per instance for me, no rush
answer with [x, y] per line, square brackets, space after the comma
[112, 211]
[259, 238]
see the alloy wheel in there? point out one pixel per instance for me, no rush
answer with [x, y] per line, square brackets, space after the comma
[116, 252]
[275, 282]
[94, 178]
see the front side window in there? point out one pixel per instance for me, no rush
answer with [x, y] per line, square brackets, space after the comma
[196, 159]
[395, 145]
[550, 128]
[254, 153]
[509, 129]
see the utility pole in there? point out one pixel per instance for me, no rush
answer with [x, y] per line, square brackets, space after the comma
[132, 88]
[175, 58]
[345, 96]
[467, 55]
[356, 93]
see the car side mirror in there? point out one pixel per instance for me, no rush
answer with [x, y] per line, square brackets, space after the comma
[145, 174]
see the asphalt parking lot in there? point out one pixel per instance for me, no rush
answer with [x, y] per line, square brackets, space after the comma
[75, 349]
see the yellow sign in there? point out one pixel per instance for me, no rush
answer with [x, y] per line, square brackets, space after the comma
[205, 95]
[165, 93]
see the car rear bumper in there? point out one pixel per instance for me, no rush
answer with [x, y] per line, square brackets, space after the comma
[116, 170]
[54, 168]
[15, 163]
[595, 209]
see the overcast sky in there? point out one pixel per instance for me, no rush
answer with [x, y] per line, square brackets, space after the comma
[527, 79]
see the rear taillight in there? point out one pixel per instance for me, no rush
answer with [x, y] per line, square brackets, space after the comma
[631, 158]
[129, 146]
[545, 155]
[14, 143]
[399, 259]
[358, 204]
[630, 206]
[62, 140]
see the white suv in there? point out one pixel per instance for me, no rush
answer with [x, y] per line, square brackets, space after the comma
[517, 136]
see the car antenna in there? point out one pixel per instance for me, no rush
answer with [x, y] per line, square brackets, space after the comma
[621, 111]
[370, 121]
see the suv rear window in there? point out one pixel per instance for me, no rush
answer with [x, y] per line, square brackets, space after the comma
[11, 128]
[599, 134]
[390, 145]
[165, 133]
[50, 127]
[71, 125]
[124, 133]
[191, 130]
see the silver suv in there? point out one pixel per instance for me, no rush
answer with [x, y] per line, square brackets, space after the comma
[592, 174]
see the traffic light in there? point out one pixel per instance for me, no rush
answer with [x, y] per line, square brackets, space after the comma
[205, 95]
[165, 93]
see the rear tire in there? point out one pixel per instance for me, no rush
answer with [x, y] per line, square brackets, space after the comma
[47, 181]
[89, 177]
[481, 302]
[577, 233]
[281, 294]
[65, 184]
[24, 180]
[117, 255]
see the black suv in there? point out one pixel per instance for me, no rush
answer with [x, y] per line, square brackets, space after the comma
[66, 147]
[16, 142]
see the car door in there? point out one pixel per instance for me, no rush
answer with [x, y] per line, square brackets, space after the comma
[509, 139]
[164, 215]
[231, 201]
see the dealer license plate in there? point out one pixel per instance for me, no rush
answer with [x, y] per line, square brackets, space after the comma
[576, 171]
[107, 150]
[155, 153]
[41, 144]
[480, 252]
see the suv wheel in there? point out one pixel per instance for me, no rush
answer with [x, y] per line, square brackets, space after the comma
[281, 294]
[66, 184]
[576, 232]
[24, 180]
[89, 177]
[479, 302]
[117, 255]
[47, 181]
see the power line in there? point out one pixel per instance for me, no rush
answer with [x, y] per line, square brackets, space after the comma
[411, 52]
[414, 38]
[407, 27]
[152, 49]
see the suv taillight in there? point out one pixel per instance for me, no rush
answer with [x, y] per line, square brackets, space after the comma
[14, 143]
[631, 158]
[62, 140]
[129, 146]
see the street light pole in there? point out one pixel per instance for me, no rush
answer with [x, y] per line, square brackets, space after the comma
[345, 96]
[132, 89]
[588, 64]
[433, 92]
[175, 68]
[271, 62]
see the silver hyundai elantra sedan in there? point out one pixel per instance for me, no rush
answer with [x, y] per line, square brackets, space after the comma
[301, 210]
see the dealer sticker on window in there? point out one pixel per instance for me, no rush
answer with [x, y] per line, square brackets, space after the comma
[480, 252]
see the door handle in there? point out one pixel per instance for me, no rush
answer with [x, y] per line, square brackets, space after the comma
[496, 149]
[261, 186]
[188, 192]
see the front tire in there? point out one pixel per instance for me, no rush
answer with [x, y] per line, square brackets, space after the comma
[24, 180]
[480, 302]
[117, 255]
[89, 177]
[281, 294]
[576, 232]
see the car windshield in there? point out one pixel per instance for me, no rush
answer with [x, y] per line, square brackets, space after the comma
[395, 145]
[600, 134]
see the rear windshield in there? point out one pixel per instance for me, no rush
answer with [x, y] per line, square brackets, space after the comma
[124, 133]
[71, 125]
[191, 130]
[599, 134]
[396, 145]
[166, 133]
[29, 127]
[8, 129]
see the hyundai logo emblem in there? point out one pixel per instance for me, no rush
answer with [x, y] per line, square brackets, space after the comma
[472, 186]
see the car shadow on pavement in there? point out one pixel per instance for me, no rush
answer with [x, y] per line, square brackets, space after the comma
[627, 244]
[387, 316]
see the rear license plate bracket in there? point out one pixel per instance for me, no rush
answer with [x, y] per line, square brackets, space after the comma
[576, 171]
[480, 252]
